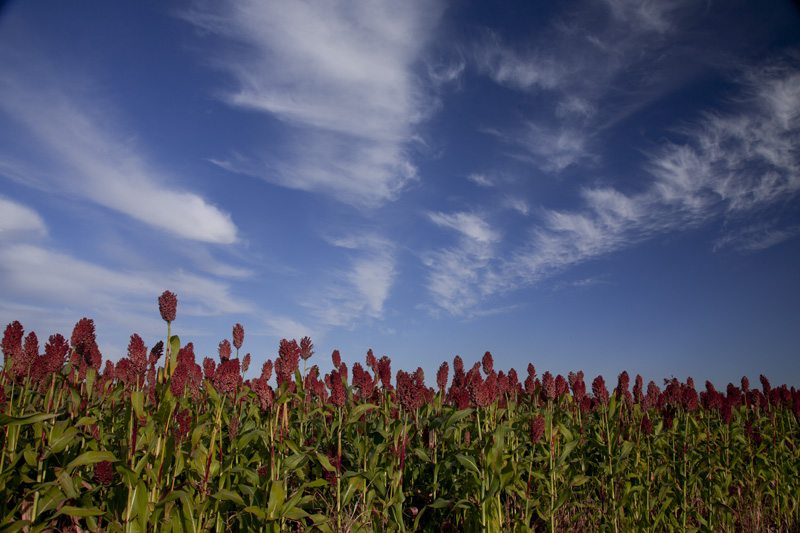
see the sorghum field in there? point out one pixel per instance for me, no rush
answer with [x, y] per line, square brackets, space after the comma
[164, 442]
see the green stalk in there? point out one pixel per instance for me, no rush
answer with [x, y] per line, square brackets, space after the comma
[552, 487]
[611, 471]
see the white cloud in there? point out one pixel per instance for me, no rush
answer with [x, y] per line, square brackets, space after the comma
[36, 274]
[468, 224]
[482, 180]
[733, 166]
[757, 237]
[518, 204]
[590, 68]
[645, 15]
[447, 71]
[340, 74]
[360, 291]
[287, 328]
[17, 219]
[460, 276]
[96, 163]
[520, 70]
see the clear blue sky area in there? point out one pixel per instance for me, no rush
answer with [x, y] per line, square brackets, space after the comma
[599, 185]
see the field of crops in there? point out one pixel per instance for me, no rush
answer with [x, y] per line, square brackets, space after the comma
[162, 441]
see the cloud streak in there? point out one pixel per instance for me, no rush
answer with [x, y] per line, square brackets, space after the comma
[358, 292]
[340, 76]
[729, 166]
[100, 166]
[17, 220]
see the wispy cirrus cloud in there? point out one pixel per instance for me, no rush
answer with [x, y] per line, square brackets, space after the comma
[98, 162]
[341, 78]
[732, 166]
[358, 291]
[586, 70]
[37, 274]
[460, 275]
[469, 224]
[17, 220]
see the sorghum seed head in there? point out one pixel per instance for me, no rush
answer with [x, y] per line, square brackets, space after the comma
[238, 335]
[168, 305]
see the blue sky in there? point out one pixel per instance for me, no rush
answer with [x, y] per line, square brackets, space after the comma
[602, 185]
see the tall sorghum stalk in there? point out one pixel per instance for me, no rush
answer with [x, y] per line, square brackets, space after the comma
[610, 466]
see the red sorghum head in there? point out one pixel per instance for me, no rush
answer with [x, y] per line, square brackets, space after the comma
[56, 352]
[238, 335]
[183, 425]
[458, 364]
[224, 350]
[488, 363]
[338, 390]
[168, 305]
[530, 385]
[137, 353]
[537, 428]
[155, 353]
[84, 343]
[638, 390]
[765, 386]
[12, 342]
[408, 393]
[599, 390]
[227, 376]
[246, 362]
[623, 381]
[371, 361]
[336, 358]
[30, 352]
[306, 348]
[441, 376]
[647, 425]
[104, 473]
[178, 380]
[385, 372]
[266, 370]
[459, 396]
[82, 333]
[266, 396]
[289, 353]
[689, 399]
[561, 386]
[578, 386]
[548, 386]
[122, 370]
[209, 368]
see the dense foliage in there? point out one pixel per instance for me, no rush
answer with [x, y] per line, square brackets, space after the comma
[194, 446]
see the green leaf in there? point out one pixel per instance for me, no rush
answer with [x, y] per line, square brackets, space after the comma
[325, 462]
[277, 495]
[422, 455]
[90, 458]
[16, 526]
[174, 348]
[91, 373]
[440, 503]
[6, 420]
[229, 496]
[359, 410]
[137, 400]
[257, 511]
[458, 415]
[468, 463]
[69, 510]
